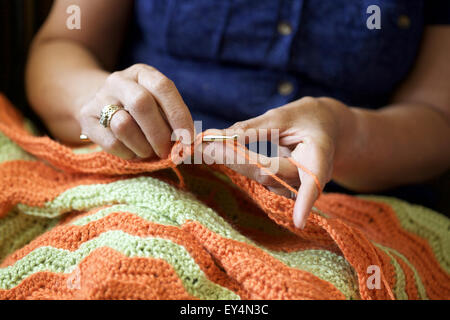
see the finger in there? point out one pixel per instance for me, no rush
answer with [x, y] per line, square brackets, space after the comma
[128, 132]
[284, 152]
[167, 96]
[315, 162]
[307, 195]
[266, 127]
[268, 120]
[250, 164]
[240, 160]
[225, 153]
[104, 137]
[141, 105]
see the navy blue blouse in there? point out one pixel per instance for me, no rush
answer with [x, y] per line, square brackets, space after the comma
[235, 59]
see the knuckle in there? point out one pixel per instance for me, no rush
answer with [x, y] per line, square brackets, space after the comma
[277, 115]
[114, 77]
[177, 115]
[309, 101]
[163, 84]
[262, 178]
[139, 103]
[139, 66]
[84, 112]
[120, 126]
[100, 95]
[274, 113]
[112, 146]
[84, 115]
[240, 125]
[147, 153]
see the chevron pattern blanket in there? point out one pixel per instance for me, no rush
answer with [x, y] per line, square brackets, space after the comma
[82, 224]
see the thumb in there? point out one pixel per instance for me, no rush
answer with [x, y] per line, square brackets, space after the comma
[313, 170]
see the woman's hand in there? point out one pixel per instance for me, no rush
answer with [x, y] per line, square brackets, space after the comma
[311, 131]
[153, 109]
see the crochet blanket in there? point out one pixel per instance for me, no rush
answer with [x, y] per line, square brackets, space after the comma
[83, 224]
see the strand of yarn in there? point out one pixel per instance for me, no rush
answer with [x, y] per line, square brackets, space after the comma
[178, 155]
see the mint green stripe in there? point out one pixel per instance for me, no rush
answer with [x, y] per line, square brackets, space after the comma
[64, 261]
[424, 222]
[161, 203]
[18, 229]
[9, 151]
[400, 281]
[420, 287]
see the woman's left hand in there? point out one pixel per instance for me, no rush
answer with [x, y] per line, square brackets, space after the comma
[310, 132]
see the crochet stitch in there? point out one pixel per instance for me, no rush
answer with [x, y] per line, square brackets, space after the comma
[83, 224]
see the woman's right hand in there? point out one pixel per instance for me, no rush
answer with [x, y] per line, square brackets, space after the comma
[153, 109]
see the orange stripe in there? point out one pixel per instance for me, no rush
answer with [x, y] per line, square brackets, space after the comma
[353, 221]
[379, 222]
[410, 280]
[356, 248]
[34, 183]
[126, 278]
[263, 276]
[390, 233]
[69, 237]
[62, 157]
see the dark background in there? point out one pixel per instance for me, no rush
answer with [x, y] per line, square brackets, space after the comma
[20, 20]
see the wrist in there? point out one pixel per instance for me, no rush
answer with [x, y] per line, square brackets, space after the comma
[349, 138]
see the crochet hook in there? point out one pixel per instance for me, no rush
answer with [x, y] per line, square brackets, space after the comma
[84, 137]
[219, 138]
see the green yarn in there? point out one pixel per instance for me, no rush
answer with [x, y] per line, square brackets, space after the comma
[145, 213]
[161, 203]
[10, 151]
[164, 204]
[420, 287]
[64, 261]
[425, 223]
[400, 280]
[18, 229]
[229, 205]
[87, 150]
[322, 263]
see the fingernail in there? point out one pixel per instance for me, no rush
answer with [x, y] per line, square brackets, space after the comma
[297, 223]
[300, 225]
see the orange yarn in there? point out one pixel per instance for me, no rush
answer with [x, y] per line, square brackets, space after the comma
[178, 155]
[177, 158]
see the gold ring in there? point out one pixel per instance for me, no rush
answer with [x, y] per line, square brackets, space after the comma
[107, 113]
